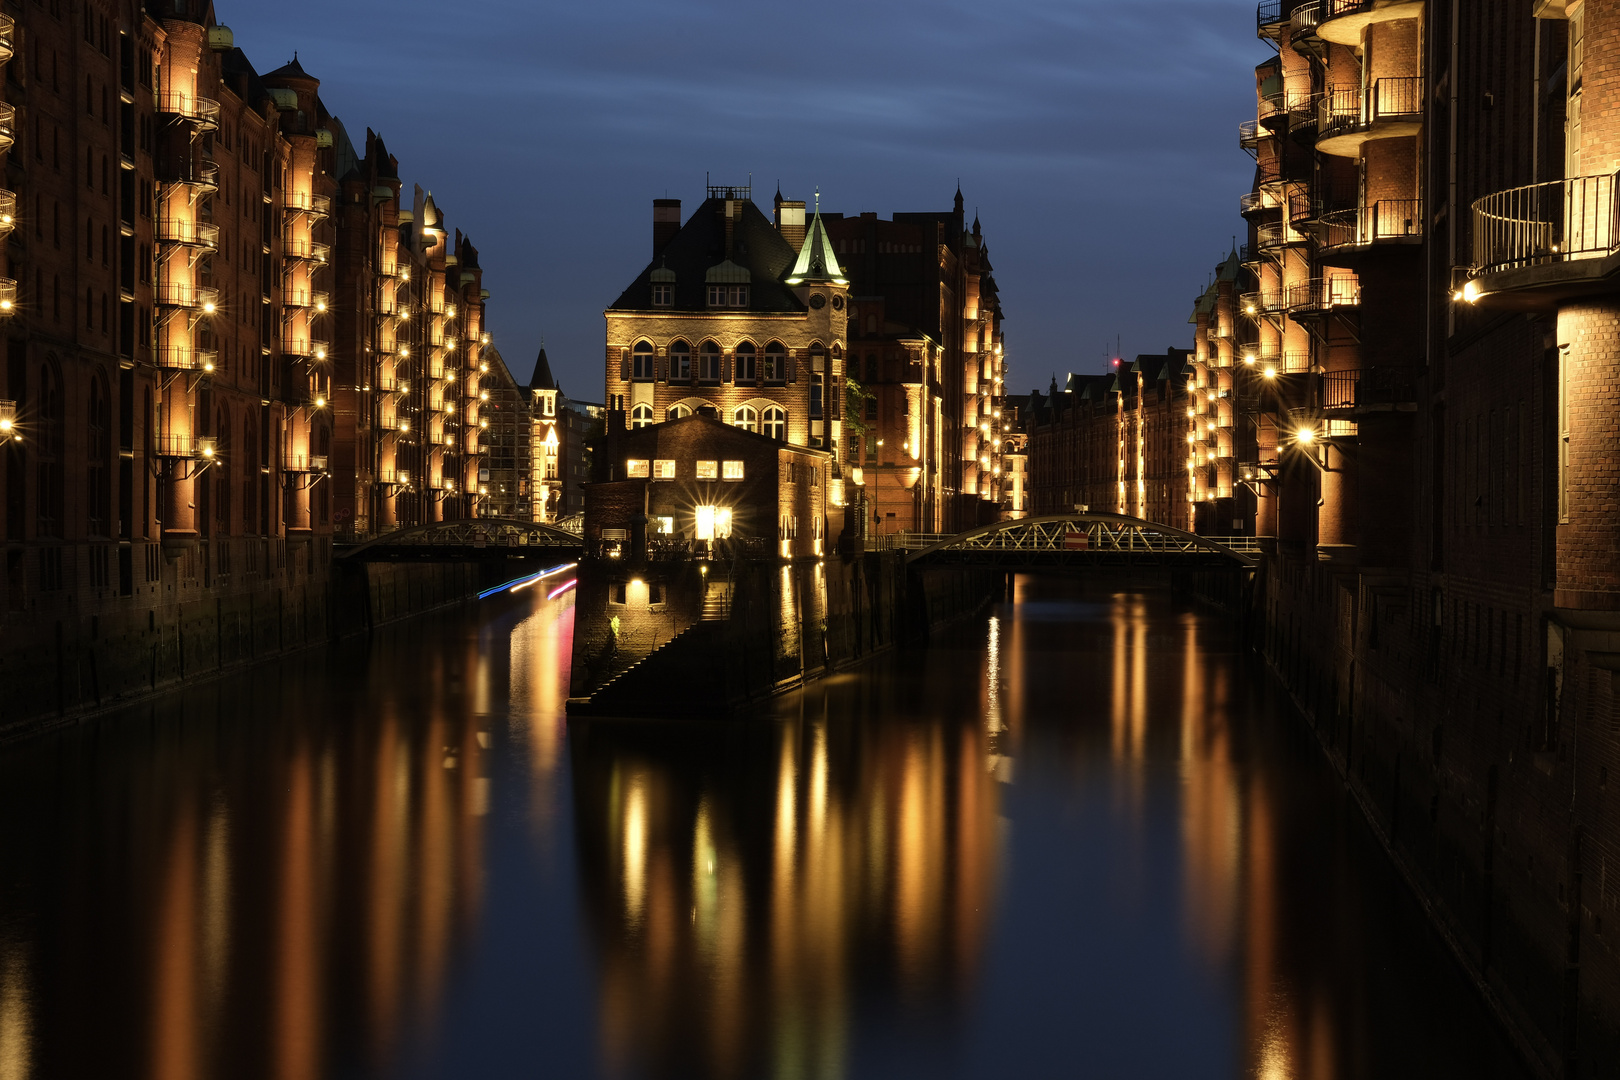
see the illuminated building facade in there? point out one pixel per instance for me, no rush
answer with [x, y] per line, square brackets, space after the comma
[209, 298]
[559, 429]
[925, 329]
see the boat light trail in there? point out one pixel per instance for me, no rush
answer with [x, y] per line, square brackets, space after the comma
[524, 582]
[564, 587]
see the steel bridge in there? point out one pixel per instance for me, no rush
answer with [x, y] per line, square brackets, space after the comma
[1090, 539]
[467, 539]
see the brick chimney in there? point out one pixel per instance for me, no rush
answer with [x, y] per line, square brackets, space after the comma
[790, 221]
[666, 223]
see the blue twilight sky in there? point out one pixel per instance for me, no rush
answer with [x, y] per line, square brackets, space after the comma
[1097, 140]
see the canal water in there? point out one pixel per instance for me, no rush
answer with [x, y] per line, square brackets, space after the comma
[1078, 835]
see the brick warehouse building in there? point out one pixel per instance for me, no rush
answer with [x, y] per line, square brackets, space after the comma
[753, 316]
[1404, 382]
[205, 308]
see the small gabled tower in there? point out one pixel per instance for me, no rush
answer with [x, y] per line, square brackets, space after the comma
[820, 284]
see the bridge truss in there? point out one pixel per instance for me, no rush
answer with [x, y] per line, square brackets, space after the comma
[469, 538]
[1076, 540]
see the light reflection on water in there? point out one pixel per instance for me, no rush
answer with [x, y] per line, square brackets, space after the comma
[1074, 836]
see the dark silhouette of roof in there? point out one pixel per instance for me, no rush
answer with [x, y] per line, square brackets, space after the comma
[542, 379]
[700, 245]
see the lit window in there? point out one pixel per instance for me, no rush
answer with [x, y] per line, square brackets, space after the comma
[708, 470]
[666, 526]
[774, 424]
[663, 294]
[713, 523]
[663, 470]
[641, 416]
[733, 470]
[745, 417]
[637, 468]
[747, 363]
[678, 412]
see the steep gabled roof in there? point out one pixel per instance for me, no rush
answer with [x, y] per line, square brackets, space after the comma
[816, 261]
[542, 379]
[700, 245]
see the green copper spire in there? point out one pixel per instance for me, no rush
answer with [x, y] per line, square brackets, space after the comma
[817, 263]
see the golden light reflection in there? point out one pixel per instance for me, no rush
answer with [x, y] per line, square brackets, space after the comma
[16, 1020]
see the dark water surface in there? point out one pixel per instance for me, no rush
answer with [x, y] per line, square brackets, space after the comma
[1078, 836]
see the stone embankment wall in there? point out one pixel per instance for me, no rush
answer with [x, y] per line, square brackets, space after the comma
[691, 639]
[1478, 742]
[68, 667]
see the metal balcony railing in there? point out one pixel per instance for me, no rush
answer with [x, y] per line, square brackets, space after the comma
[198, 297]
[1261, 303]
[1345, 110]
[1254, 202]
[185, 358]
[305, 298]
[1324, 294]
[202, 175]
[1275, 234]
[8, 125]
[204, 112]
[1249, 135]
[1269, 13]
[1271, 106]
[1332, 9]
[1384, 220]
[8, 37]
[1540, 224]
[8, 211]
[305, 463]
[307, 250]
[179, 446]
[307, 202]
[198, 234]
[1302, 21]
[294, 345]
[1294, 362]
[1364, 387]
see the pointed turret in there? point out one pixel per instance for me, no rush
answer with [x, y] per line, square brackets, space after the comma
[542, 379]
[816, 262]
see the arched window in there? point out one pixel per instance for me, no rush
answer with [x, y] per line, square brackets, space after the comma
[680, 362]
[745, 417]
[641, 416]
[97, 491]
[678, 412]
[775, 362]
[709, 362]
[747, 362]
[775, 424]
[642, 357]
[871, 368]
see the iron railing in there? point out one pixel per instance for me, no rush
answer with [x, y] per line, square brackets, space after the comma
[171, 294]
[1269, 13]
[307, 202]
[294, 248]
[1369, 386]
[1302, 22]
[204, 112]
[1322, 294]
[1539, 224]
[1274, 234]
[1259, 303]
[1249, 135]
[1253, 202]
[1332, 9]
[1386, 219]
[1348, 109]
[189, 233]
[185, 358]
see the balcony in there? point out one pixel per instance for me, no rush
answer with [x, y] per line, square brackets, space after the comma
[8, 37]
[305, 202]
[1322, 296]
[1302, 23]
[8, 212]
[201, 177]
[295, 345]
[1271, 235]
[1546, 242]
[182, 446]
[1342, 21]
[1388, 389]
[310, 464]
[1385, 223]
[1269, 18]
[194, 234]
[8, 297]
[1249, 135]
[185, 358]
[1256, 304]
[1303, 209]
[191, 297]
[1255, 203]
[201, 112]
[305, 250]
[8, 125]
[1350, 116]
[305, 298]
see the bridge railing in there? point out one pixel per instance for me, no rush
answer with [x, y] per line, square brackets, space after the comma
[1099, 537]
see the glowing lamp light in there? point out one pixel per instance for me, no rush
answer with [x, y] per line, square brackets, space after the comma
[1305, 436]
[208, 307]
[1249, 310]
[206, 447]
[404, 425]
[1470, 290]
[5, 305]
[320, 403]
[320, 305]
[320, 354]
[1192, 412]
[1271, 373]
[483, 367]
[1191, 437]
[483, 395]
[404, 350]
[483, 423]
[208, 365]
[484, 339]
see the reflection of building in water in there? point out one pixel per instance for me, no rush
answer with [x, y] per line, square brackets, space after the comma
[866, 857]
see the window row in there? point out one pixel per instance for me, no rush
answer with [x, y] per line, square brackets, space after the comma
[643, 469]
[771, 422]
[748, 363]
